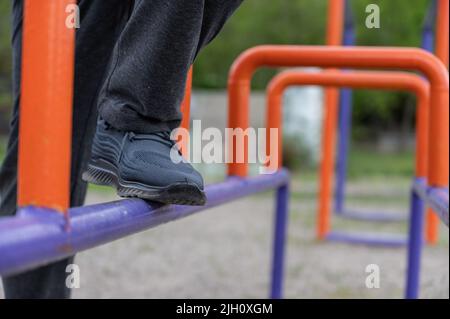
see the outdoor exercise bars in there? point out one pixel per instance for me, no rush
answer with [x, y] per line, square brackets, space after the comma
[369, 80]
[44, 229]
[373, 80]
[361, 57]
[345, 122]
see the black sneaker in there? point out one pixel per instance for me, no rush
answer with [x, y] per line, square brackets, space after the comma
[140, 165]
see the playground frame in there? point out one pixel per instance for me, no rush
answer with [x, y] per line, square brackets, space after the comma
[438, 12]
[360, 57]
[46, 229]
[372, 80]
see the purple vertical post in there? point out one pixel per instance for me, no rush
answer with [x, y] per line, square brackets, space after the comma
[279, 244]
[415, 243]
[428, 28]
[345, 121]
[416, 236]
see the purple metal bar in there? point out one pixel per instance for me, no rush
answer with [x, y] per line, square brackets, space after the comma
[279, 244]
[381, 217]
[436, 198]
[36, 237]
[415, 243]
[374, 239]
[419, 190]
[345, 121]
[428, 27]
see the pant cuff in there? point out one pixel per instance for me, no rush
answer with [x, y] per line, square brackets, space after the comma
[128, 120]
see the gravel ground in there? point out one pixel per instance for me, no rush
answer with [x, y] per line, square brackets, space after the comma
[225, 253]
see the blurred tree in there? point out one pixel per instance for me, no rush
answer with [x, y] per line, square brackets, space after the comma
[401, 25]
[260, 22]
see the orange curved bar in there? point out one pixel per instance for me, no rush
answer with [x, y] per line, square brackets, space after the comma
[371, 80]
[46, 105]
[432, 220]
[355, 57]
[352, 57]
[362, 80]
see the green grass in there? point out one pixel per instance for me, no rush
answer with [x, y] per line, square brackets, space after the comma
[371, 165]
[106, 190]
[355, 199]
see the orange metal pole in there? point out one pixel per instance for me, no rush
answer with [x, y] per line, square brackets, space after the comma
[46, 105]
[338, 57]
[370, 80]
[442, 31]
[335, 29]
[186, 111]
[335, 26]
[442, 28]
[186, 104]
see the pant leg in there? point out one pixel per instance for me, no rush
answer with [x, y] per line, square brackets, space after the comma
[95, 41]
[145, 85]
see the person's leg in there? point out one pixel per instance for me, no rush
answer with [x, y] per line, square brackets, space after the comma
[145, 86]
[101, 24]
[139, 101]
[94, 44]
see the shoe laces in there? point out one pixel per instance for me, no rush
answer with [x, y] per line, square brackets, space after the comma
[164, 137]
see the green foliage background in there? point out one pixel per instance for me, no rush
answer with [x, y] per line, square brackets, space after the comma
[288, 22]
[5, 60]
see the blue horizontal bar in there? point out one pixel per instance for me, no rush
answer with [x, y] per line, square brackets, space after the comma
[374, 239]
[381, 217]
[435, 197]
[37, 236]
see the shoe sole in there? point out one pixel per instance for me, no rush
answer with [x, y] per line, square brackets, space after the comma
[176, 194]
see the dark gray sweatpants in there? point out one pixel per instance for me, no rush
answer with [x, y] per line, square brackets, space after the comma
[132, 59]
